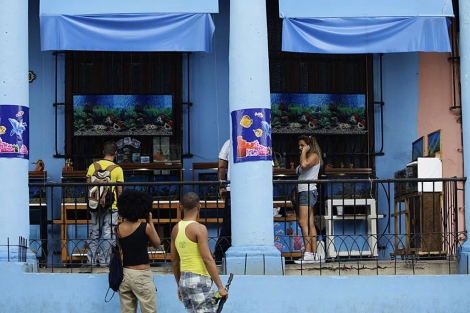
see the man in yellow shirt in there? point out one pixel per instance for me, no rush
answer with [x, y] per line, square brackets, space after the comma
[104, 221]
[193, 265]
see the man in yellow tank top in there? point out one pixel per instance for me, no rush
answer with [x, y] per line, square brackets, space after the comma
[192, 262]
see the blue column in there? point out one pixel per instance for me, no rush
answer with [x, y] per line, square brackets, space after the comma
[14, 91]
[464, 14]
[252, 250]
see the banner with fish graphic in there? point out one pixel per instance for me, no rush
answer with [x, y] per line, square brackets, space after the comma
[14, 133]
[251, 132]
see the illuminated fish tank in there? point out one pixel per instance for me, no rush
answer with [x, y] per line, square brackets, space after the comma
[161, 191]
[310, 113]
[123, 115]
[208, 191]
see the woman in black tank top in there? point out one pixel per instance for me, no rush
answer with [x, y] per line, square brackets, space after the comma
[134, 237]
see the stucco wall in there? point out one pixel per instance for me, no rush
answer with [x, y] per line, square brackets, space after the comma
[435, 99]
[69, 293]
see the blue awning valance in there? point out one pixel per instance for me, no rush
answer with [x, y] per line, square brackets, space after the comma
[128, 32]
[342, 27]
[142, 25]
[366, 35]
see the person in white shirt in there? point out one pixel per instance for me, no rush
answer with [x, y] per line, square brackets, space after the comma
[223, 173]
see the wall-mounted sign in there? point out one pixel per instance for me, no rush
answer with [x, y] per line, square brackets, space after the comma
[14, 134]
[251, 132]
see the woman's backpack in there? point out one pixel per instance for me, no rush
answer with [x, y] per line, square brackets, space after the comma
[116, 271]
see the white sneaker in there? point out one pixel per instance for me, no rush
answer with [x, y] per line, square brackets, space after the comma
[318, 259]
[309, 258]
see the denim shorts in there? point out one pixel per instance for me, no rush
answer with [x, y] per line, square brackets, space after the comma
[308, 198]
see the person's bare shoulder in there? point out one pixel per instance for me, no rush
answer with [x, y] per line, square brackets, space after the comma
[201, 229]
[174, 231]
[195, 230]
[197, 227]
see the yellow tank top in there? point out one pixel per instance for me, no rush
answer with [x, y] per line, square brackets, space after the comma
[190, 257]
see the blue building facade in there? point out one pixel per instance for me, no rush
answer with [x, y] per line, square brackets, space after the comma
[397, 86]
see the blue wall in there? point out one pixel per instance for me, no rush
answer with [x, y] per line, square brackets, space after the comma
[44, 293]
[42, 98]
[210, 119]
[400, 127]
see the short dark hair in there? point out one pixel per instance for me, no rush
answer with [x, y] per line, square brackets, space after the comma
[190, 201]
[133, 204]
[109, 148]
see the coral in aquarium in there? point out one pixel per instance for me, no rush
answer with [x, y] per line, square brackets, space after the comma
[119, 115]
[318, 113]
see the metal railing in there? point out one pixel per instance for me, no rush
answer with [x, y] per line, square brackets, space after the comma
[16, 252]
[364, 226]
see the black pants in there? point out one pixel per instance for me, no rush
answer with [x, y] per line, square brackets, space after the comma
[225, 236]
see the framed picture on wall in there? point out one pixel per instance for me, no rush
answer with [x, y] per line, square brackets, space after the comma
[434, 143]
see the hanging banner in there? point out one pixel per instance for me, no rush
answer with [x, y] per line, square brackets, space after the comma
[251, 135]
[14, 136]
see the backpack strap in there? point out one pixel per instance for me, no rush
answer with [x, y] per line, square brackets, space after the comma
[111, 167]
[97, 166]
[118, 235]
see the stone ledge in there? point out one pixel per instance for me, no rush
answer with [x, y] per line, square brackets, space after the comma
[344, 268]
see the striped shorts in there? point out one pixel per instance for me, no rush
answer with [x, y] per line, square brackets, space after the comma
[197, 293]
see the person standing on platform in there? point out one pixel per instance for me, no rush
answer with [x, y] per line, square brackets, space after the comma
[133, 237]
[193, 266]
[223, 173]
[103, 221]
[308, 169]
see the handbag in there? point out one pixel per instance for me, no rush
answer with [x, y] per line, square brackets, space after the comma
[116, 271]
[294, 200]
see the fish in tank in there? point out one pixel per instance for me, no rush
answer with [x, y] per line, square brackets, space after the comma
[208, 191]
[318, 113]
[162, 191]
[123, 115]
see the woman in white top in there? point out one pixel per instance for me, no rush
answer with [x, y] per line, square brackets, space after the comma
[308, 169]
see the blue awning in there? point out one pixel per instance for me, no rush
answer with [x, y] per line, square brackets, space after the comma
[342, 27]
[142, 25]
[366, 35]
[129, 32]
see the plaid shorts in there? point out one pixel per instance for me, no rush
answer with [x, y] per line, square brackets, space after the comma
[197, 293]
